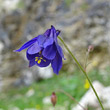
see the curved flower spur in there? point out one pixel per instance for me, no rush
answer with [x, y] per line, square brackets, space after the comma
[44, 50]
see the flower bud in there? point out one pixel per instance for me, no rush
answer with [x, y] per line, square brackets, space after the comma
[53, 98]
[90, 48]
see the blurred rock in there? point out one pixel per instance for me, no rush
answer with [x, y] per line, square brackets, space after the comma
[46, 100]
[1, 83]
[14, 108]
[1, 47]
[89, 99]
[45, 73]
[82, 23]
[9, 5]
[30, 93]
[25, 79]
[30, 109]
[4, 37]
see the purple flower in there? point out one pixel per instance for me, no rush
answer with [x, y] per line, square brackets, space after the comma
[44, 50]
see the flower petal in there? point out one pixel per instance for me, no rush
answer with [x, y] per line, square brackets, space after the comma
[49, 52]
[59, 49]
[27, 44]
[50, 39]
[35, 48]
[57, 63]
[32, 62]
[47, 33]
[57, 32]
[52, 27]
[31, 56]
[44, 62]
[41, 39]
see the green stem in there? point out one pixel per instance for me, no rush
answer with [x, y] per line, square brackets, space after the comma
[87, 55]
[71, 97]
[82, 71]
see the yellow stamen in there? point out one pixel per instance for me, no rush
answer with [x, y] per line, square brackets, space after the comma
[36, 58]
[40, 52]
[44, 60]
[39, 61]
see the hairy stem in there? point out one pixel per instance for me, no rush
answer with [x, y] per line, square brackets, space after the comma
[67, 94]
[82, 71]
[87, 55]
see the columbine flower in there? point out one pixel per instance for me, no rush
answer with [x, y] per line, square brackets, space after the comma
[44, 50]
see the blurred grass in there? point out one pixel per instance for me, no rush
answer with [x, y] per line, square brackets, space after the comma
[20, 4]
[71, 83]
[68, 2]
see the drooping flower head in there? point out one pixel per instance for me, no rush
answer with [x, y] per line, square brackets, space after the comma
[44, 50]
